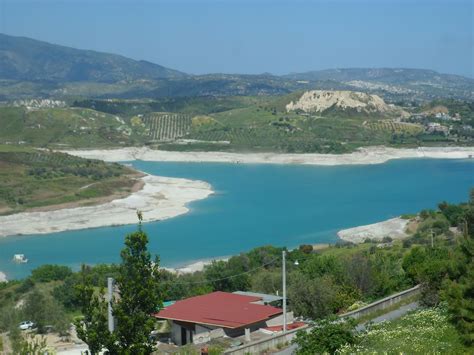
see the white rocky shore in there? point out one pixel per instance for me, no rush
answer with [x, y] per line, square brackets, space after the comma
[371, 155]
[394, 228]
[194, 267]
[160, 198]
[3, 277]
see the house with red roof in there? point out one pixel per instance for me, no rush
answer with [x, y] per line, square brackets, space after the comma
[202, 318]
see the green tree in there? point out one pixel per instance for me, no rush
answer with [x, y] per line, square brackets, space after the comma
[313, 298]
[326, 336]
[43, 310]
[46, 273]
[228, 275]
[92, 327]
[139, 296]
[458, 291]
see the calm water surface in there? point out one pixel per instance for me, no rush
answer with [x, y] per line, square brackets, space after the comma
[256, 205]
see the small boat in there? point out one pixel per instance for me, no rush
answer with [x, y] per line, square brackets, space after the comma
[20, 258]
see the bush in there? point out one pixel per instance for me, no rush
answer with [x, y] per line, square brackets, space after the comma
[48, 273]
[327, 336]
[387, 239]
[306, 248]
[25, 286]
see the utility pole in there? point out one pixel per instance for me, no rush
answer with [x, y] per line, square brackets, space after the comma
[432, 239]
[284, 289]
[110, 292]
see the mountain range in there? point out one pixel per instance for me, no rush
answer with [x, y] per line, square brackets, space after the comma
[31, 68]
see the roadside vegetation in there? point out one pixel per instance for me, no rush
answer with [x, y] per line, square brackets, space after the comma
[32, 179]
[424, 331]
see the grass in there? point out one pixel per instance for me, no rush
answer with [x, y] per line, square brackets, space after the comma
[63, 127]
[426, 331]
[30, 179]
[393, 307]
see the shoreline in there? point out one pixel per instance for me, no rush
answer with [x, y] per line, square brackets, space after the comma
[3, 277]
[362, 156]
[394, 228]
[194, 266]
[160, 198]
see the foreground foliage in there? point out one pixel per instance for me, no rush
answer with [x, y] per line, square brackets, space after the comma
[326, 336]
[427, 331]
[138, 297]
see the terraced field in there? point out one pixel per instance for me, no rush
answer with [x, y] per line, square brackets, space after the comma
[394, 127]
[165, 126]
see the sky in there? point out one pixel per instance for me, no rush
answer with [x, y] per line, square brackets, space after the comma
[273, 36]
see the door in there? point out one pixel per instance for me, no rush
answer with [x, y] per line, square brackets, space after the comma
[183, 336]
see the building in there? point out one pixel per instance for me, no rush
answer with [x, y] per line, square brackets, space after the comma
[433, 127]
[202, 318]
[271, 300]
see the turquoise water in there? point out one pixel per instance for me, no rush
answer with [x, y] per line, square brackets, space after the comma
[256, 205]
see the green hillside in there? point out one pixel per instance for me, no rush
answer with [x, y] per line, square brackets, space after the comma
[32, 179]
[63, 127]
[233, 123]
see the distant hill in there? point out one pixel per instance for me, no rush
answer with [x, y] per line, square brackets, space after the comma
[26, 59]
[395, 83]
[383, 75]
[35, 69]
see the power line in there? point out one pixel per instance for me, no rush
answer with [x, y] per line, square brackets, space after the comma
[224, 278]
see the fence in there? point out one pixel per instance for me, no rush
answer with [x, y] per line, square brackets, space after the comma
[259, 346]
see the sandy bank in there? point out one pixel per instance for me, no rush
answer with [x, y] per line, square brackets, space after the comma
[394, 228]
[194, 267]
[371, 155]
[160, 198]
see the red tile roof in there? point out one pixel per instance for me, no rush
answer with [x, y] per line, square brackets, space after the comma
[221, 309]
[279, 328]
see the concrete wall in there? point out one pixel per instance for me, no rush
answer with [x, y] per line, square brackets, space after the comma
[260, 346]
[203, 334]
[278, 320]
[176, 333]
[383, 303]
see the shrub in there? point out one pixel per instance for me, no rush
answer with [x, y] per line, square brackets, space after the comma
[387, 239]
[327, 336]
[25, 286]
[306, 248]
[48, 273]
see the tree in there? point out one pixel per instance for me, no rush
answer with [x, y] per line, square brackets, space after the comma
[139, 296]
[92, 327]
[458, 291]
[228, 276]
[327, 336]
[46, 273]
[313, 298]
[43, 310]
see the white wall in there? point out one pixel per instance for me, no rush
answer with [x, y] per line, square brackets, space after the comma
[278, 320]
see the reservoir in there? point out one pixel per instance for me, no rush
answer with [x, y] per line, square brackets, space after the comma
[255, 205]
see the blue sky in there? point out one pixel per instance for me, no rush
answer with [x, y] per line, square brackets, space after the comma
[258, 36]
